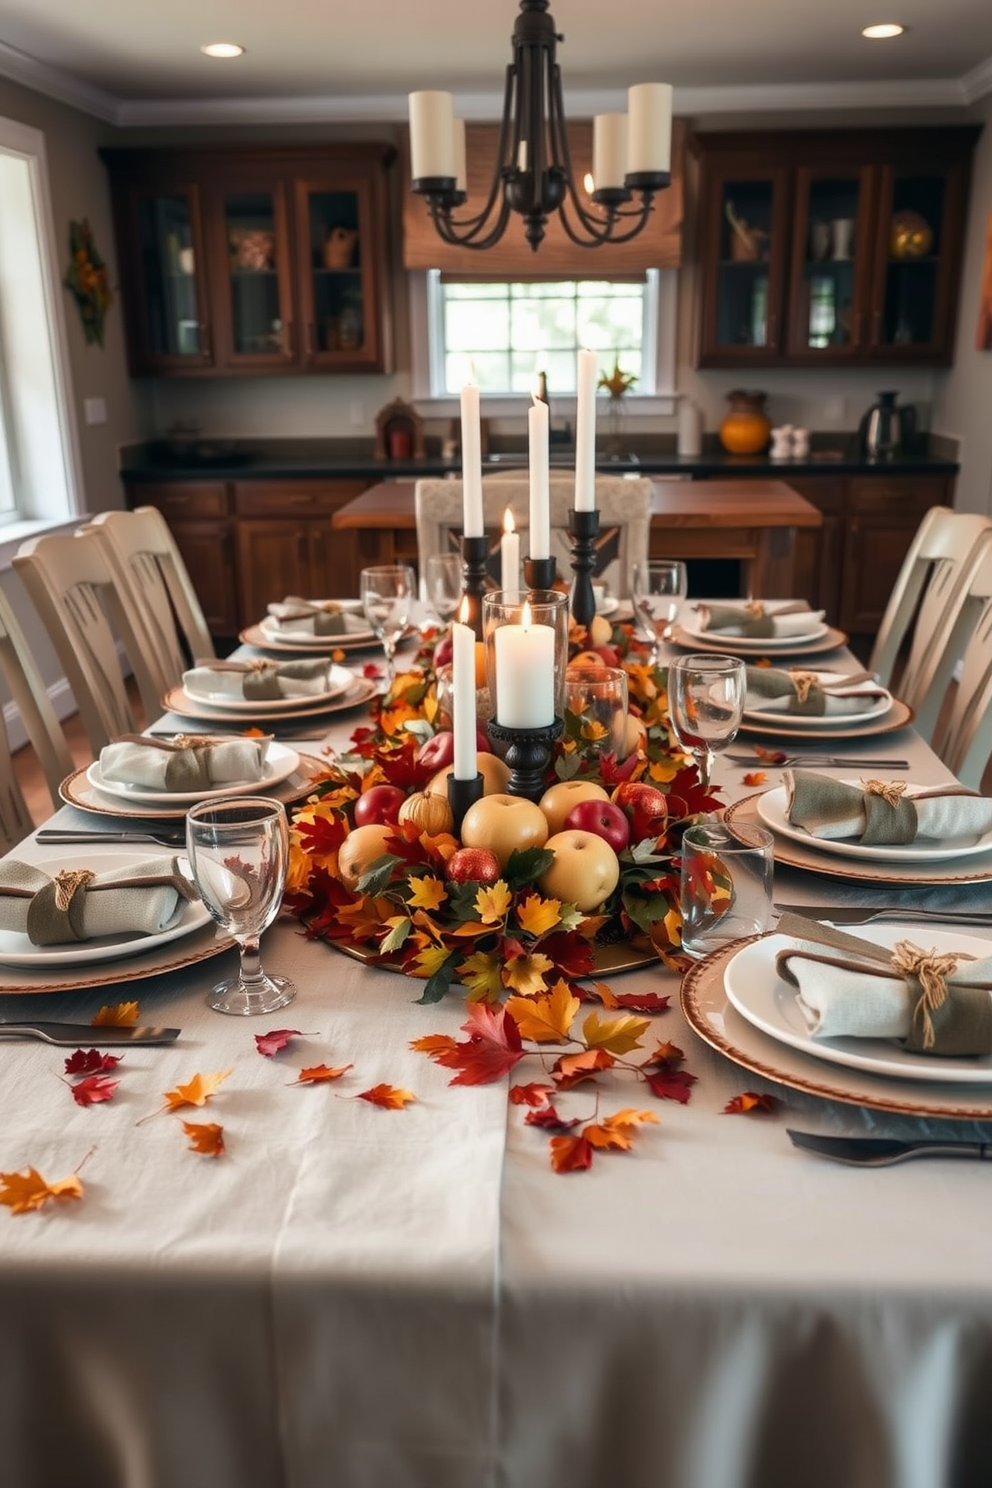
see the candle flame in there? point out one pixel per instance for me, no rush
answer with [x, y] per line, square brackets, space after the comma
[464, 610]
[508, 523]
[525, 616]
[589, 183]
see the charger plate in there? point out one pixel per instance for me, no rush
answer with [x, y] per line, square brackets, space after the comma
[897, 717]
[727, 645]
[608, 959]
[711, 1016]
[178, 700]
[78, 790]
[200, 946]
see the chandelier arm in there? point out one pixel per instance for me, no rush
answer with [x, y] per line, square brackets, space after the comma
[447, 229]
[474, 225]
[602, 230]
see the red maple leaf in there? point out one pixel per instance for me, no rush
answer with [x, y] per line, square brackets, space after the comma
[93, 1089]
[270, 1043]
[491, 1050]
[669, 1084]
[548, 1118]
[642, 1002]
[570, 951]
[530, 1095]
[91, 1062]
[751, 1100]
[570, 1154]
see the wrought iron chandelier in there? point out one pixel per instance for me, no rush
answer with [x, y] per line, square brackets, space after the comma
[533, 175]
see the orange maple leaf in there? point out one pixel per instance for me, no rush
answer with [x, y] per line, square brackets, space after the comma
[197, 1092]
[387, 1096]
[545, 1020]
[22, 1192]
[533, 1094]
[614, 1131]
[434, 1043]
[525, 974]
[755, 777]
[206, 1137]
[318, 1074]
[491, 904]
[537, 916]
[573, 1069]
[570, 1154]
[751, 1100]
[121, 1015]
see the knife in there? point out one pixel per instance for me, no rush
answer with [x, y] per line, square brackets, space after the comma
[864, 914]
[161, 838]
[882, 1152]
[75, 1034]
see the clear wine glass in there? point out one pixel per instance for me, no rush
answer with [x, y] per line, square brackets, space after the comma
[706, 703]
[388, 592]
[658, 589]
[444, 584]
[238, 848]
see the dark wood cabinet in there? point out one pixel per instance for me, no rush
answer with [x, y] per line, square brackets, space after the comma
[831, 247]
[198, 516]
[247, 262]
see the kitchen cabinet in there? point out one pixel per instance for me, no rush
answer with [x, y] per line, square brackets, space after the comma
[832, 247]
[245, 262]
[197, 515]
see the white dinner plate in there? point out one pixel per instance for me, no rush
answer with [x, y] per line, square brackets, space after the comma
[280, 762]
[768, 1002]
[177, 700]
[339, 679]
[772, 807]
[609, 606]
[272, 631]
[760, 644]
[17, 950]
[818, 722]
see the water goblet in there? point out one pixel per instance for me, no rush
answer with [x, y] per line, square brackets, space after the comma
[444, 584]
[706, 697]
[238, 847]
[388, 591]
[658, 589]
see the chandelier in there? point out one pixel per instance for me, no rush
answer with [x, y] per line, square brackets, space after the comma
[533, 175]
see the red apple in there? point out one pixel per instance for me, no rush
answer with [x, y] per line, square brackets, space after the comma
[473, 865]
[602, 818]
[380, 803]
[437, 752]
[645, 807]
[559, 799]
[608, 655]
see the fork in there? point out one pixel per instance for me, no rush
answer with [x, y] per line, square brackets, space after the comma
[838, 914]
[851, 761]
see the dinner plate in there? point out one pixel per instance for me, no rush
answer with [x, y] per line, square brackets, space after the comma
[812, 723]
[177, 700]
[769, 1002]
[760, 644]
[713, 1018]
[280, 760]
[17, 950]
[272, 632]
[78, 790]
[254, 635]
[783, 726]
[773, 805]
[974, 869]
[609, 606]
[731, 645]
[339, 679]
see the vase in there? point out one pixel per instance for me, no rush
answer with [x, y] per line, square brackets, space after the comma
[746, 428]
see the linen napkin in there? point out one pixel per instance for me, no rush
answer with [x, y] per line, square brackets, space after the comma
[880, 812]
[258, 681]
[189, 762]
[325, 617]
[754, 620]
[81, 904]
[775, 690]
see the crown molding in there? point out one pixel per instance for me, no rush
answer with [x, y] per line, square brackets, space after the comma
[978, 82]
[19, 67]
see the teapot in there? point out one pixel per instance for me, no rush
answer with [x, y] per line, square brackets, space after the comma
[885, 429]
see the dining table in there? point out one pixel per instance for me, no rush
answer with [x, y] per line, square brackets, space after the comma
[372, 1297]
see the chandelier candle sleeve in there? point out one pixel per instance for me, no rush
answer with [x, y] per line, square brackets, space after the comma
[525, 674]
[609, 151]
[432, 136]
[585, 432]
[540, 490]
[649, 129]
[463, 701]
[509, 557]
[472, 523]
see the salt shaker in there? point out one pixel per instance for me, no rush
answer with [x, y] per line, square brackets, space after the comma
[690, 436]
[800, 444]
[782, 443]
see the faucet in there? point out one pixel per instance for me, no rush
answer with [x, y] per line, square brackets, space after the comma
[555, 436]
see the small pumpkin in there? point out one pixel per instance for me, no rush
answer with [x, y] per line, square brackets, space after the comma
[429, 812]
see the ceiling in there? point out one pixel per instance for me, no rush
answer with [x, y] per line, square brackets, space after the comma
[140, 62]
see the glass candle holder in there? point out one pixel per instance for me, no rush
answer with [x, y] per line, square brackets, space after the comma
[526, 640]
[596, 708]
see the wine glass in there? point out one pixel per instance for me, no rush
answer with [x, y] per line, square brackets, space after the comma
[238, 848]
[658, 589]
[706, 703]
[388, 592]
[444, 584]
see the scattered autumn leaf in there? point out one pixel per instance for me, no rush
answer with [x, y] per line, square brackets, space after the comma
[545, 1020]
[270, 1043]
[206, 1137]
[614, 1131]
[93, 1090]
[755, 777]
[570, 1154]
[91, 1062]
[196, 1092]
[530, 1095]
[491, 1050]
[318, 1074]
[770, 756]
[525, 974]
[22, 1192]
[641, 1002]
[121, 1015]
[549, 1119]
[617, 1035]
[573, 1069]
[664, 1076]
[751, 1100]
[388, 1097]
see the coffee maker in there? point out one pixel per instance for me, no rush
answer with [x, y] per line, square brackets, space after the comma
[885, 429]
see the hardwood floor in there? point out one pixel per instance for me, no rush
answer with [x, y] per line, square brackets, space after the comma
[29, 774]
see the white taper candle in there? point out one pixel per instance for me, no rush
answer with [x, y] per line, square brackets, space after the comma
[585, 432]
[509, 558]
[540, 490]
[463, 701]
[472, 523]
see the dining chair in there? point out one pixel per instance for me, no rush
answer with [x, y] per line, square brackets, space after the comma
[624, 506]
[73, 589]
[962, 736]
[27, 689]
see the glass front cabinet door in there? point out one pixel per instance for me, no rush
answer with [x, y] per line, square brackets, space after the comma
[173, 333]
[252, 263]
[340, 275]
[830, 274]
[745, 244]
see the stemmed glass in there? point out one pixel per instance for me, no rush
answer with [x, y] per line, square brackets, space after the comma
[388, 592]
[444, 584]
[706, 697]
[658, 589]
[238, 847]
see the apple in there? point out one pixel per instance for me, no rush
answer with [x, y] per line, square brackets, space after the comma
[585, 871]
[444, 650]
[359, 851]
[601, 818]
[495, 776]
[645, 807]
[380, 803]
[437, 752]
[504, 824]
[635, 734]
[559, 799]
[600, 631]
[588, 659]
[473, 865]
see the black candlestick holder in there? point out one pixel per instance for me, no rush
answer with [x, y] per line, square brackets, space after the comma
[540, 573]
[528, 754]
[583, 529]
[461, 795]
[475, 551]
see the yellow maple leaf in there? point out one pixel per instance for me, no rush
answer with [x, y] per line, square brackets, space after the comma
[430, 959]
[537, 916]
[593, 730]
[197, 1092]
[366, 916]
[664, 771]
[428, 892]
[22, 1192]
[121, 1015]
[618, 1035]
[205, 1137]
[545, 1020]
[492, 903]
[605, 995]
[482, 974]
[525, 974]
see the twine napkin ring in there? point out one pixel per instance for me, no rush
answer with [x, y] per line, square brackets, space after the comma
[804, 682]
[931, 971]
[68, 882]
[756, 608]
[891, 791]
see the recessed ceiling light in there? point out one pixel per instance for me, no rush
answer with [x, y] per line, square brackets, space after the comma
[222, 49]
[883, 31]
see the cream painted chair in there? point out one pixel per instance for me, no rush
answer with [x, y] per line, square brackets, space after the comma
[963, 735]
[624, 520]
[27, 689]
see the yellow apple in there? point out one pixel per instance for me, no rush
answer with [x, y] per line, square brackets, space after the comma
[359, 851]
[495, 776]
[635, 735]
[504, 824]
[585, 871]
[559, 799]
[600, 631]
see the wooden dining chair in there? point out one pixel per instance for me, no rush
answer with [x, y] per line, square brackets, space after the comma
[624, 506]
[27, 689]
[962, 736]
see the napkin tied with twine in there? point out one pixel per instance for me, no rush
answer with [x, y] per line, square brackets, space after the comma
[258, 681]
[81, 904]
[777, 690]
[326, 617]
[185, 763]
[883, 812]
[758, 623]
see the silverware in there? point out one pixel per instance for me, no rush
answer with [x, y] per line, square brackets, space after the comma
[163, 838]
[864, 914]
[882, 1152]
[840, 761]
[75, 1034]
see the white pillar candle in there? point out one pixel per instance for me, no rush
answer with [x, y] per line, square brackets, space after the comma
[463, 701]
[525, 674]
[432, 135]
[509, 558]
[472, 524]
[585, 432]
[649, 129]
[540, 489]
[609, 150]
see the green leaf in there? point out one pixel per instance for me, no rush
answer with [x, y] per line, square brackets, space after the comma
[570, 918]
[437, 985]
[420, 729]
[378, 875]
[461, 900]
[568, 765]
[643, 852]
[526, 867]
[396, 937]
[645, 909]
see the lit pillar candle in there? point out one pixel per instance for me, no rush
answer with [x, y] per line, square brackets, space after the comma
[525, 674]
[472, 524]
[463, 700]
[509, 557]
[540, 490]
[585, 432]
